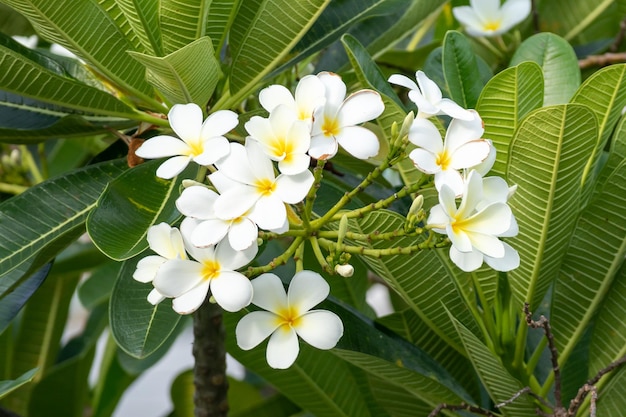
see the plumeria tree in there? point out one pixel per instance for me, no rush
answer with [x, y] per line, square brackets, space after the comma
[252, 168]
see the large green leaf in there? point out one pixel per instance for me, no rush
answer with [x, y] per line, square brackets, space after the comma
[45, 218]
[139, 328]
[460, 68]
[548, 150]
[182, 22]
[143, 18]
[14, 24]
[188, 75]
[498, 382]
[221, 16]
[504, 102]
[73, 26]
[131, 204]
[263, 33]
[423, 279]
[585, 283]
[570, 18]
[33, 75]
[559, 63]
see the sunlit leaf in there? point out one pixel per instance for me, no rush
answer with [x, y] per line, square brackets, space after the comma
[460, 68]
[143, 18]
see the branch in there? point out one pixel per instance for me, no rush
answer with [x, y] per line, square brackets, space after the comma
[462, 406]
[602, 60]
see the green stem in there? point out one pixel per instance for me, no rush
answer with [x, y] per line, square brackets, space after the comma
[12, 188]
[376, 253]
[280, 260]
[148, 118]
[43, 160]
[299, 258]
[334, 234]
[315, 244]
[534, 358]
[487, 316]
[29, 161]
[318, 173]
[485, 42]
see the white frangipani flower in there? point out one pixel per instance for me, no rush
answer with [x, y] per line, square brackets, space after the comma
[284, 139]
[167, 242]
[201, 142]
[463, 148]
[336, 122]
[205, 228]
[309, 96]
[214, 268]
[248, 186]
[428, 98]
[288, 316]
[488, 18]
[474, 227]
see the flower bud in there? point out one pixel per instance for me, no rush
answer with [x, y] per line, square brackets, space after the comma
[345, 270]
[343, 229]
[416, 206]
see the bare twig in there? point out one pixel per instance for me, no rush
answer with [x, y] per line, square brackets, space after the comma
[589, 386]
[602, 60]
[462, 406]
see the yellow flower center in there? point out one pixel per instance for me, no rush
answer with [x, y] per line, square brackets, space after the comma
[281, 148]
[443, 160]
[196, 147]
[287, 318]
[210, 270]
[491, 26]
[265, 186]
[330, 127]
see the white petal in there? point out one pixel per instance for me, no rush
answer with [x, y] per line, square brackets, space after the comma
[468, 18]
[470, 154]
[359, 141]
[147, 268]
[425, 161]
[162, 146]
[219, 123]
[467, 261]
[209, 232]
[269, 212]
[424, 107]
[282, 348]
[260, 164]
[236, 201]
[508, 262]
[335, 89]
[155, 297]
[429, 89]
[424, 133]
[190, 301]
[255, 327]
[320, 328]
[274, 95]
[438, 218]
[359, 107]
[513, 12]
[295, 164]
[306, 290]
[186, 121]
[177, 276]
[495, 190]
[236, 165]
[485, 166]
[231, 290]
[197, 201]
[452, 179]
[232, 259]
[460, 240]
[243, 234]
[493, 219]
[172, 167]
[487, 244]
[214, 149]
[310, 94]
[402, 80]
[221, 182]
[166, 241]
[461, 131]
[486, 10]
[269, 293]
[293, 188]
[452, 109]
[323, 147]
[259, 129]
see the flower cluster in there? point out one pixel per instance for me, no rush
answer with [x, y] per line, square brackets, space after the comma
[459, 163]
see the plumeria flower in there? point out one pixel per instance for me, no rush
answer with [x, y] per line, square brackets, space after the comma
[284, 138]
[475, 226]
[309, 96]
[214, 268]
[428, 98]
[202, 142]
[205, 228]
[167, 242]
[288, 316]
[336, 122]
[248, 186]
[488, 18]
[462, 148]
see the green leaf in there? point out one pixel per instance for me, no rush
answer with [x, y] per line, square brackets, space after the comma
[182, 22]
[504, 102]
[222, 13]
[188, 75]
[547, 153]
[97, 289]
[15, 290]
[498, 382]
[570, 18]
[44, 80]
[6, 387]
[559, 63]
[262, 34]
[585, 280]
[460, 68]
[611, 402]
[143, 18]
[132, 203]
[14, 24]
[42, 220]
[74, 27]
[423, 279]
[139, 328]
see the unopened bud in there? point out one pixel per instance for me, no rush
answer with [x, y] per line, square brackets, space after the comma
[345, 270]
[406, 125]
[343, 229]
[416, 206]
[190, 183]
